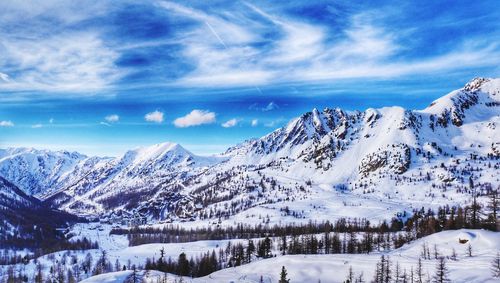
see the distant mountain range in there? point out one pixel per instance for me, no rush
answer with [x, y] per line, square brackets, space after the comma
[412, 157]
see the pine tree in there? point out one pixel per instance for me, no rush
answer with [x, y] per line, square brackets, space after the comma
[475, 205]
[387, 271]
[134, 277]
[436, 253]
[397, 273]
[117, 265]
[71, 278]
[404, 276]
[493, 207]
[495, 266]
[453, 255]
[350, 276]
[360, 278]
[250, 250]
[383, 270]
[183, 265]
[420, 272]
[283, 275]
[441, 275]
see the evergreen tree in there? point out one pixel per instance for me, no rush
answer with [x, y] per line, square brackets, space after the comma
[360, 278]
[134, 277]
[475, 207]
[183, 266]
[350, 276]
[117, 265]
[39, 273]
[493, 215]
[250, 250]
[283, 276]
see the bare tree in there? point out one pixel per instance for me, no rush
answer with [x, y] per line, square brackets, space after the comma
[441, 275]
[495, 266]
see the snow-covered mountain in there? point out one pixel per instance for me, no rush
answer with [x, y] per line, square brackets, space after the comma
[100, 184]
[36, 171]
[11, 196]
[24, 218]
[319, 164]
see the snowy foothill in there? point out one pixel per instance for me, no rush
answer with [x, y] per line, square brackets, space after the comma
[335, 267]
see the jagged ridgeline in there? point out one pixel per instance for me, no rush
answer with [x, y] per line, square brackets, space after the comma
[428, 156]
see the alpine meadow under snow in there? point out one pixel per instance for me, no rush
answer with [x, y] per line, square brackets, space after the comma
[382, 195]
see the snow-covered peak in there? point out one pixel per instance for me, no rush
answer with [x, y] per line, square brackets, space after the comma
[478, 97]
[165, 154]
[490, 88]
[36, 171]
[142, 154]
[13, 151]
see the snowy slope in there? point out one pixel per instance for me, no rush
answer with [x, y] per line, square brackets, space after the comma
[401, 159]
[335, 267]
[137, 175]
[11, 196]
[36, 171]
[23, 217]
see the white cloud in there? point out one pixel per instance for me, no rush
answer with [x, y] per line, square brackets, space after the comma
[221, 47]
[37, 56]
[67, 62]
[230, 123]
[155, 116]
[6, 124]
[195, 118]
[4, 77]
[51, 121]
[255, 122]
[37, 126]
[271, 106]
[112, 118]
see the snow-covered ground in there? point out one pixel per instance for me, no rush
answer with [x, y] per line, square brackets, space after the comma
[335, 267]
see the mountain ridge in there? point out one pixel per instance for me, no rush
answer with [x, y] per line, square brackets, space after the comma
[382, 152]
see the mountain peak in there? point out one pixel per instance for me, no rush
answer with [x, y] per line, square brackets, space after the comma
[155, 151]
[480, 93]
[475, 84]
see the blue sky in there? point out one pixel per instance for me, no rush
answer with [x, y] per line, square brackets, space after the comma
[101, 77]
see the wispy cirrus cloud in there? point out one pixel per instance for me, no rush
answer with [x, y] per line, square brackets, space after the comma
[47, 53]
[70, 62]
[91, 47]
[277, 48]
[269, 107]
[195, 118]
